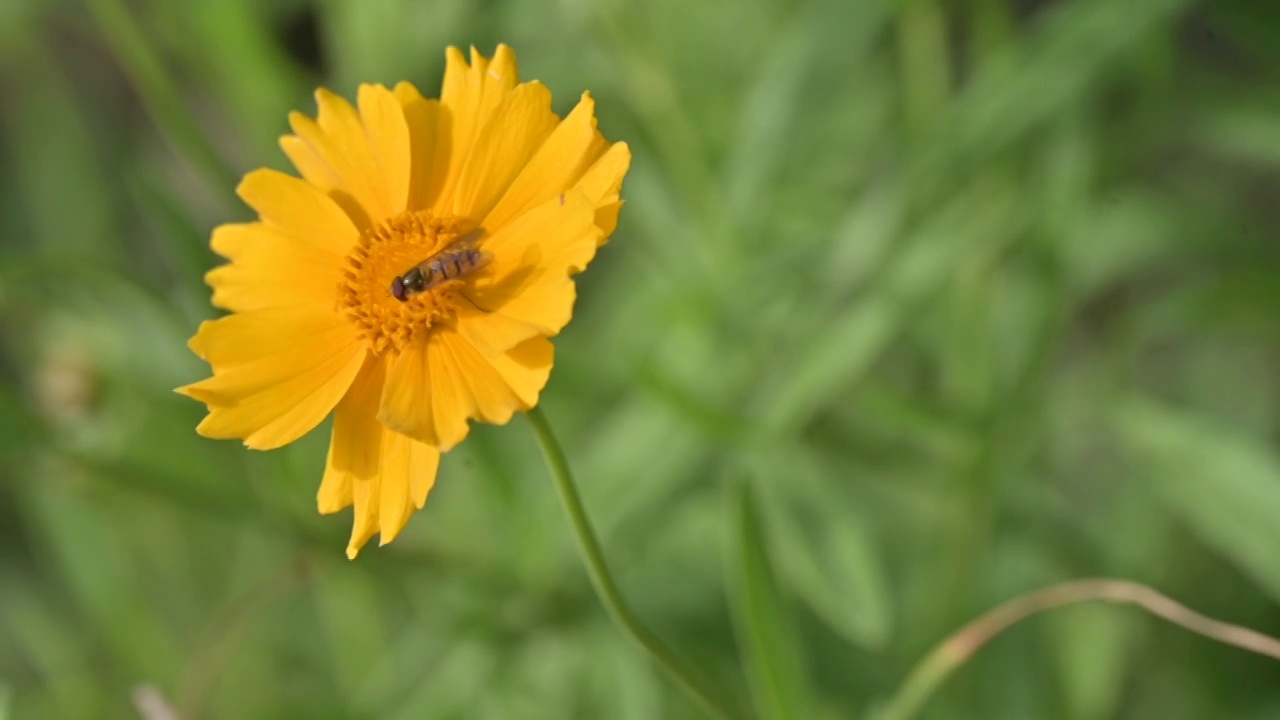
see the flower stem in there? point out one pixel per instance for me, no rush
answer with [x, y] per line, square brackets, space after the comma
[602, 579]
[957, 649]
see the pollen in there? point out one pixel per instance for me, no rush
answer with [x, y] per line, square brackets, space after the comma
[382, 254]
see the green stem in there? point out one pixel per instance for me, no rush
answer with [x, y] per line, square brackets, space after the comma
[956, 650]
[926, 70]
[602, 579]
[164, 103]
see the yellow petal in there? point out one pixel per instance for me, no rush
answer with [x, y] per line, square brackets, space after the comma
[492, 333]
[268, 269]
[385, 502]
[409, 398]
[458, 368]
[469, 98]
[525, 368]
[298, 209]
[540, 304]
[387, 132]
[528, 290]
[428, 146]
[247, 337]
[559, 235]
[565, 154]
[278, 399]
[335, 492]
[356, 444]
[338, 135]
[409, 473]
[364, 496]
[368, 152]
[315, 170]
[502, 148]
[355, 449]
[437, 384]
[310, 165]
[421, 461]
[602, 184]
[277, 372]
[607, 219]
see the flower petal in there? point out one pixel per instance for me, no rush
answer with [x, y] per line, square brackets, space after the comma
[367, 152]
[385, 502]
[315, 169]
[602, 184]
[492, 333]
[311, 166]
[525, 368]
[268, 269]
[335, 492]
[408, 474]
[428, 146]
[403, 469]
[561, 160]
[416, 403]
[506, 142]
[364, 496]
[247, 337]
[277, 373]
[356, 444]
[469, 98]
[298, 209]
[438, 383]
[528, 290]
[276, 400]
[387, 131]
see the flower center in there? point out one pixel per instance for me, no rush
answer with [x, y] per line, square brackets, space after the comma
[384, 253]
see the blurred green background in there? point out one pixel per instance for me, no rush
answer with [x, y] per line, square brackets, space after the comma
[914, 306]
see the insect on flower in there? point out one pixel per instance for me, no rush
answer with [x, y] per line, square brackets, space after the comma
[458, 259]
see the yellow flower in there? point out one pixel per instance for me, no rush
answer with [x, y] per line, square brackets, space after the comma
[323, 314]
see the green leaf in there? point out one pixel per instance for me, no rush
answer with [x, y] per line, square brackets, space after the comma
[622, 682]
[457, 681]
[378, 40]
[51, 644]
[765, 635]
[1248, 129]
[142, 63]
[70, 514]
[1091, 646]
[1225, 486]
[826, 552]
[353, 623]
[771, 106]
[843, 349]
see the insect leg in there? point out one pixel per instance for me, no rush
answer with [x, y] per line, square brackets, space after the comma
[474, 304]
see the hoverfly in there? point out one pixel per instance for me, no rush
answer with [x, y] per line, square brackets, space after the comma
[455, 260]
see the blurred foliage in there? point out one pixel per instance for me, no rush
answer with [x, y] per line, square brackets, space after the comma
[914, 306]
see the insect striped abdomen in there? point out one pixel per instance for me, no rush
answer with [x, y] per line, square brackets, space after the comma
[451, 263]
